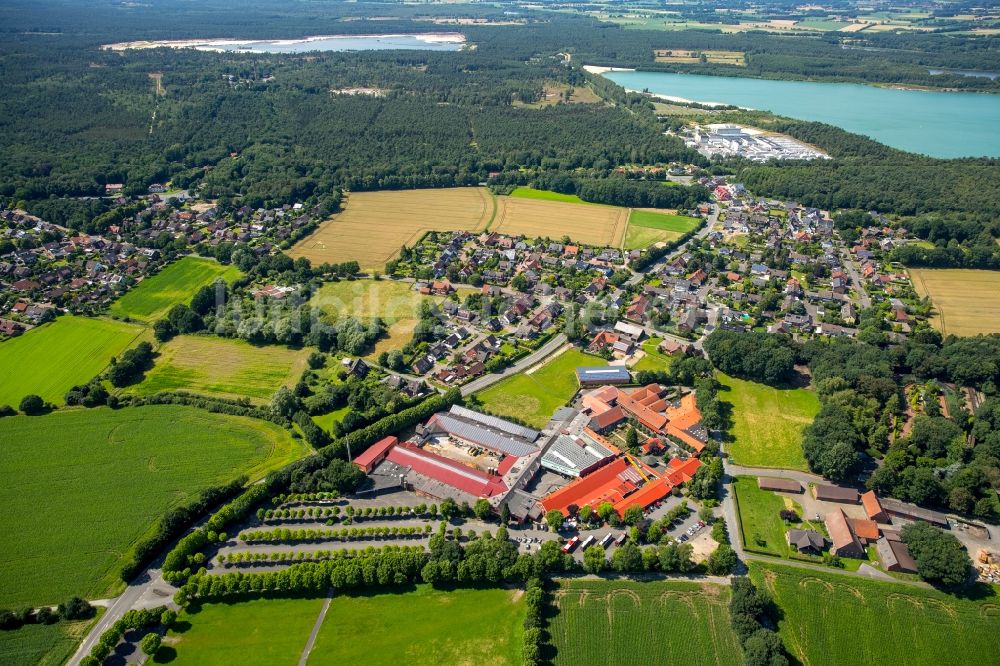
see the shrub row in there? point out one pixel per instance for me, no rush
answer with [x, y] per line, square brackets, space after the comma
[214, 405]
[349, 512]
[291, 499]
[391, 565]
[534, 623]
[285, 535]
[244, 557]
[183, 553]
[131, 620]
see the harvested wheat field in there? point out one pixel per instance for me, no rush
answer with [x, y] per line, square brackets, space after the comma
[966, 301]
[585, 223]
[374, 225]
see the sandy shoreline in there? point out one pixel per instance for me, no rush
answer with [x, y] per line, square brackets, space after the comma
[222, 43]
[598, 69]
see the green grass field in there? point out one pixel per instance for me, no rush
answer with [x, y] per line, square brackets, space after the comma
[153, 297]
[42, 644]
[763, 529]
[640, 623]
[80, 487]
[547, 195]
[259, 631]
[654, 360]
[51, 359]
[228, 368]
[534, 397]
[425, 626]
[648, 227]
[767, 423]
[831, 619]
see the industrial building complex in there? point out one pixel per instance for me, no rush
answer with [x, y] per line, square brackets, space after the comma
[749, 143]
[467, 455]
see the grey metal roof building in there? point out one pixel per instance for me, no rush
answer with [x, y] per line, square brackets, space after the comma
[501, 442]
[574, 455]
[609, 374]
[495, 423]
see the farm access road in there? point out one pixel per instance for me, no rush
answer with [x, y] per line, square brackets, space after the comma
[534, 358]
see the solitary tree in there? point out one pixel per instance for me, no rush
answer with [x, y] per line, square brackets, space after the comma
[482, 509]
[555, 519]
[150, 643]
[593, 559]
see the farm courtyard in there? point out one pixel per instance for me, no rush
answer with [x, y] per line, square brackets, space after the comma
[219, 367]
[966, 301]
[374, 225]
[72, 487]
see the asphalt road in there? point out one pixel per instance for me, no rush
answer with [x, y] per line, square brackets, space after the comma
[534, 358]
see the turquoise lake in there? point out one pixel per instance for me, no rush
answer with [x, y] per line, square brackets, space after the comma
[940, 124]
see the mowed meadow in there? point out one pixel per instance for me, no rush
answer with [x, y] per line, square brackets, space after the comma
[420, 627]
[966, 301]
[374, 225]
[94, 481]
[648, 227]
[639, 623]
[52, 358]
[152, 298]
[767, 423]
[831, 619]
[533, 395]
[214, 366]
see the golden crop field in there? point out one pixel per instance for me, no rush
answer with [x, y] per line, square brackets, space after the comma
[966, 301]
[374, 225]
[585, 223]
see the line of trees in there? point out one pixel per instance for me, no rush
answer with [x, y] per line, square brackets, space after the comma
[286, 535]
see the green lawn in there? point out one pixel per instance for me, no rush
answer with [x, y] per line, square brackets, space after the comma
[154, 296]
[546, 195]
[534, 397]
[763, 529]
[250, 633]
[654, 360]
[42, 644]
[767, 423]
[51, 359]
[831, 619]
[326, 421]
[81, 486]
[647, 227]
[640, 623]
[425, 627]
[214, 366]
